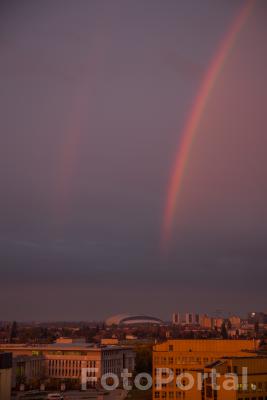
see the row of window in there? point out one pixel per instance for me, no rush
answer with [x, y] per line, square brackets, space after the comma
[171, 395]
[64, 372]
[253, 398]
[71, 363]
[112, 362]
[253, 386]
[177, 371]
[181, 395]
[181, 360]
[34, 367]
[111, 353]
[68, 372]
[68, 352]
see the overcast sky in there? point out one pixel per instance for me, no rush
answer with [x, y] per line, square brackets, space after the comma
[93, 98]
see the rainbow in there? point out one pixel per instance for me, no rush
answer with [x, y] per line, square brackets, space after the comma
[192, 123]
[71, 144]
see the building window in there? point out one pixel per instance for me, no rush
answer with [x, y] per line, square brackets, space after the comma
[253, 386]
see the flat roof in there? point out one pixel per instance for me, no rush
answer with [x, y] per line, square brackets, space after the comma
[63, 346]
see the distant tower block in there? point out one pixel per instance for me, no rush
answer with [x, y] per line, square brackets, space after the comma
[189, 319]
[176, 318]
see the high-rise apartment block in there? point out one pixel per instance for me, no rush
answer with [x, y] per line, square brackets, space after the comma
[176, 319]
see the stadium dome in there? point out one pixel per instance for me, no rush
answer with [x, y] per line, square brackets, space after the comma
[126, 319]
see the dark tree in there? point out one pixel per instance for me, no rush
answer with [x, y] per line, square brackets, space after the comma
[256, 327]
[229, 324]
[13, 331]
[143, 359]
[224, 332]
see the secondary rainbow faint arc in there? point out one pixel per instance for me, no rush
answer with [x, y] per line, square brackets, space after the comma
[192, 123]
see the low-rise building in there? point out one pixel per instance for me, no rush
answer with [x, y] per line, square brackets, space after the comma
[28, 370]
[67, 340]
[5, 375]
[63, 362]
[109, 341]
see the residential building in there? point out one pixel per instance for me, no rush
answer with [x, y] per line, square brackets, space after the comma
[205, 322]
[197, 319]
[235, 321]
[176, 319]
[189, 319]
[217, 323]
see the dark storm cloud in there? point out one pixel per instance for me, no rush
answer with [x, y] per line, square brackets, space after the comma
[93, 97]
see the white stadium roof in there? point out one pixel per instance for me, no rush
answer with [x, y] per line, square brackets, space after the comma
[126, 319]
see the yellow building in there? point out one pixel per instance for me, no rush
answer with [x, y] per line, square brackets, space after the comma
[191, 356]
[251, 385]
